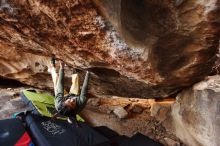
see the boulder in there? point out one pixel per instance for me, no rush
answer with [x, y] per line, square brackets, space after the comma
[120, 112]
[145, 49]
[196, 114]
[161, 111]
[137, 109]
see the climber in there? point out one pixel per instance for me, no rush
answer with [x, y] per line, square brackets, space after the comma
[72, 103]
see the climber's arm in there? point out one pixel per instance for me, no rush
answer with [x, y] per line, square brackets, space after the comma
[81, 100]
[60, 89]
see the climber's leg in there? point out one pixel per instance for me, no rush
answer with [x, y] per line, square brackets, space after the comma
[75, 84]
[53, 73]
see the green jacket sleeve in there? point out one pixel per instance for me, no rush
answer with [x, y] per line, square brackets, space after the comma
[81, 100]
[59, 91]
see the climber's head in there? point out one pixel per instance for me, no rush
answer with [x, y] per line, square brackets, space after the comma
[70, 103]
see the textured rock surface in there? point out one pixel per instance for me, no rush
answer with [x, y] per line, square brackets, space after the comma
[25, 67]
[196, 114]
[170, 45]
[120, 112]
[135, 122]
[10, 102]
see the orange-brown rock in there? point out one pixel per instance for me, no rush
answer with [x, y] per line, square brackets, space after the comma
[155, 48]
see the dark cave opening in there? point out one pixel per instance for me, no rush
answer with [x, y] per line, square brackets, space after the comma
[104, 72]
[4, 82]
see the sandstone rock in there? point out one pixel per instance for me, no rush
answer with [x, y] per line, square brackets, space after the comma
[160, 111]
[196, 114]
[171, 142]
[120, 112]
[179, 2]
[142, 123]
[133, 99]
[94, 102]
[22, 67]
[10, 104]
[106, 109]
[137, 109]
[159, 47]
[18, 103]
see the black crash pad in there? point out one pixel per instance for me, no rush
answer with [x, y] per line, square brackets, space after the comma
[139, 140]
[107, 132]
[13, 133]
[113, 136]
[52, 132]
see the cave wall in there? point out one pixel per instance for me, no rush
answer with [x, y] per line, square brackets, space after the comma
[196, 113]
[194, 116]
[25, 67]
[149, 48]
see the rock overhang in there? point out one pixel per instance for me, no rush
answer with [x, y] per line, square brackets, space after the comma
[147, 54]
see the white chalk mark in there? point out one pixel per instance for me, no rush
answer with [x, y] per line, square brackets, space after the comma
[6, 6]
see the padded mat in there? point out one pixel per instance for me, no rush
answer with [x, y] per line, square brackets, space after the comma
[49, 132]
[12, 133]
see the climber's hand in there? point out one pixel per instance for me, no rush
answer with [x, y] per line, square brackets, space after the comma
[62, 64]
